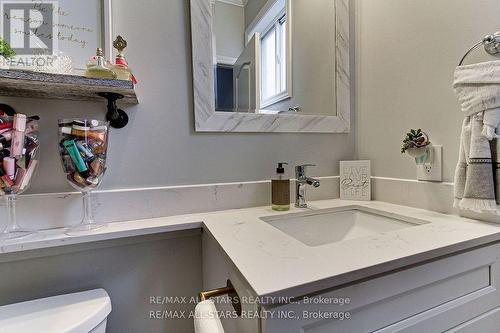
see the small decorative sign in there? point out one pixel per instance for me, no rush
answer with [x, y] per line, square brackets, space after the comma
[355, 180]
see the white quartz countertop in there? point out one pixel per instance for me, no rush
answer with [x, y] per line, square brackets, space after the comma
[275, 264]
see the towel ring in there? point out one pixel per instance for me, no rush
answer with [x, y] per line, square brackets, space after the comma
[491, 46]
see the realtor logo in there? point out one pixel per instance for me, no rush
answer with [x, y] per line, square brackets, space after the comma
[29, 26]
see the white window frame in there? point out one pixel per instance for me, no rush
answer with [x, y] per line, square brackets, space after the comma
[262, 23]
[277, 25]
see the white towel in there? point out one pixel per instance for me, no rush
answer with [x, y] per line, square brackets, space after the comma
[206, 319]
[476, 178]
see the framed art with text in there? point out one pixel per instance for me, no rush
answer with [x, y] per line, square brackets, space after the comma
[355, 180]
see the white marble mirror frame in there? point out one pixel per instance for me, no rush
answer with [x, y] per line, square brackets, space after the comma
[209, 120]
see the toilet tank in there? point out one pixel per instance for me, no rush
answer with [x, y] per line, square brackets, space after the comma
[83, 312]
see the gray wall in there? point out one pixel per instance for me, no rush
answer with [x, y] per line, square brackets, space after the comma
[406, 52]
[229, 29]
[252, 9]
[313, 60]
[130, 270]
[159, 146]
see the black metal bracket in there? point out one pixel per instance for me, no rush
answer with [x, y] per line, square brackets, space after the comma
[117, 117]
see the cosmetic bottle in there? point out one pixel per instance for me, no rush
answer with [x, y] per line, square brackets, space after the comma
[77, 158]
[9, 167]
[18, 135]
[280, 190]
[5, 140]
[5, 181]
[121, 68]
[92, 134]
[100, 71]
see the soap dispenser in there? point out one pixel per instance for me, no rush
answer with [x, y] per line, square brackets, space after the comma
[280, 189]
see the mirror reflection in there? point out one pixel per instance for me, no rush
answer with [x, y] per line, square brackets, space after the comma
[275, 56]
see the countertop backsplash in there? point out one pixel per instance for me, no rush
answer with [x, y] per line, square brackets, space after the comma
[56, 210]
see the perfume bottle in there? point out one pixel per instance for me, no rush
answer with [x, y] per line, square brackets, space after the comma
[121, 68]
[99, 70]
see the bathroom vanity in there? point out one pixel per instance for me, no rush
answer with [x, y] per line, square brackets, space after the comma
[337, 266]
[453, 294]
[390, 269]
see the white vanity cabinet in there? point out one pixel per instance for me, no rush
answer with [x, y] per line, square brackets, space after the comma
[217, 269]
[458, 293]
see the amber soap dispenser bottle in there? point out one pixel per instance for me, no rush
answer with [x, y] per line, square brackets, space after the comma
[280, 189]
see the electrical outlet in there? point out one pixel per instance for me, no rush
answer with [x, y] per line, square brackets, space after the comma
[433, 173]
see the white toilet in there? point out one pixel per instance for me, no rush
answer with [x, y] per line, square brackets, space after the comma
[84, 312]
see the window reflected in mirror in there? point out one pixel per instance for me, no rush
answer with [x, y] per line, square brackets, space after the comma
[275, 56]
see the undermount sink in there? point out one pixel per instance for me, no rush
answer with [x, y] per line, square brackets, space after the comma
[324, 227]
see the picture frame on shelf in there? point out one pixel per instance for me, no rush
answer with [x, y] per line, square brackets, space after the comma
[63, 37]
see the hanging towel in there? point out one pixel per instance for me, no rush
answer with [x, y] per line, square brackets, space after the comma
[206, 318]
[478, 89]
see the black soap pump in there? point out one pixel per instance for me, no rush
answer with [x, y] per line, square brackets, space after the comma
[280, 189]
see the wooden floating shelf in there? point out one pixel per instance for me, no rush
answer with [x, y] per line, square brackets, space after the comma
[18, 83]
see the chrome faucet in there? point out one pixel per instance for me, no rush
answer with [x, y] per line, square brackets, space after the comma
[300, 185]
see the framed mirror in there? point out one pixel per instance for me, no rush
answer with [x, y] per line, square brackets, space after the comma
[271, 65]
[45, 33]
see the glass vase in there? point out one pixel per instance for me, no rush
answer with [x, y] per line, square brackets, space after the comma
[19, 156]
[83, 147]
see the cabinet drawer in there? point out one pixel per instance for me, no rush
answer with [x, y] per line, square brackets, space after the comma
[419, 299]
[486, 323]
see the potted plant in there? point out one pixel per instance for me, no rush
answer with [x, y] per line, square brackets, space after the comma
[416, 143]
[6, 52]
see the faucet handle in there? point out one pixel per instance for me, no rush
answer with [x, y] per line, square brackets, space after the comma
[300, 170]
[303, 166]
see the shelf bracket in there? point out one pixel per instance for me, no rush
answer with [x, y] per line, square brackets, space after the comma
[117, 117]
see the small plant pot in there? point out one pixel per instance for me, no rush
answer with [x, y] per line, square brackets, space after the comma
[421, 155]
